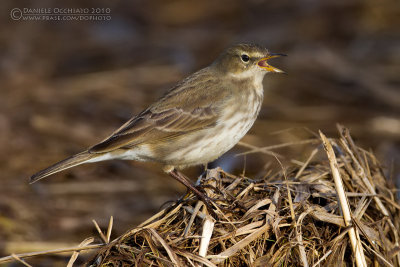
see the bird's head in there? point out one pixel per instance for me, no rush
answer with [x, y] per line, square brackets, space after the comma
[243, 60]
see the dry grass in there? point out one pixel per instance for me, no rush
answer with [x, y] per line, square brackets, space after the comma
[290, 218]
[334, 209]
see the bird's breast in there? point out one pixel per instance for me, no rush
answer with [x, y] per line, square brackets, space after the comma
[206, 145]
[241, 113]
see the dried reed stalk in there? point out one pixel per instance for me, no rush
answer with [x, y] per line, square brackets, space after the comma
[353, 232]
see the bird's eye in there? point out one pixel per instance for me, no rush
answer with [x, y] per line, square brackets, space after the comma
[245, 58]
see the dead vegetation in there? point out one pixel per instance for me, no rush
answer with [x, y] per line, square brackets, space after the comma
[331, 212]
[335, 209]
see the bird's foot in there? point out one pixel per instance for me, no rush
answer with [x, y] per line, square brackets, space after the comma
[200, 195]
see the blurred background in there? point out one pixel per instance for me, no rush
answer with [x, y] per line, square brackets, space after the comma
[66, 85]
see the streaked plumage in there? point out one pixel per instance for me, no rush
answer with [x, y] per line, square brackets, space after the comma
[195, 122]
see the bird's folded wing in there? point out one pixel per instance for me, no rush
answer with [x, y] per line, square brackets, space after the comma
[150, 126]
[191, 105]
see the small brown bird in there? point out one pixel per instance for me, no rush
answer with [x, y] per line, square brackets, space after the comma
[194, 123]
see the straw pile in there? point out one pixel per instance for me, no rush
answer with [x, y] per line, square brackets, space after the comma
[332, 211]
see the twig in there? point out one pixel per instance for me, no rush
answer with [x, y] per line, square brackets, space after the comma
[323, 258]
[299, 237]
[199, 204]
[20, 260]
[75, 255]
[173, 257]
[306, 163]
[53, 251]
[109, 229]
[103, 237]
[267, 149]
[208, 228]
[256, 149]
[242, 243]
[353, 233]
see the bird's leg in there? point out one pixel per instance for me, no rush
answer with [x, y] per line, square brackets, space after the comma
[183, 180]
[204, 173]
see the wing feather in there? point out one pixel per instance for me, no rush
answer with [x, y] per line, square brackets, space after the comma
[179, 112]
[154, 127]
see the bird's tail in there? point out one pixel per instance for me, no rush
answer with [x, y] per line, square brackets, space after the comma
[62, 165]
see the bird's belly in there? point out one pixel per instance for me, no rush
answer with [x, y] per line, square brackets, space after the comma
[209, 144]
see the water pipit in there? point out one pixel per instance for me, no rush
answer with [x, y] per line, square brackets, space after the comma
[195, 122]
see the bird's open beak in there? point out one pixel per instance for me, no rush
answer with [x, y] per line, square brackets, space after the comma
[263, 63]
